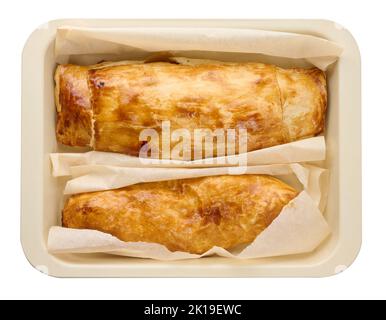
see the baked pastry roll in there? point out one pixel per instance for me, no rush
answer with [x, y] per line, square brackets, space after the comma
[106, 106]
[191, 215]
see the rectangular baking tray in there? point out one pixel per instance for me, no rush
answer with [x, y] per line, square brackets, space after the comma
[41, 194]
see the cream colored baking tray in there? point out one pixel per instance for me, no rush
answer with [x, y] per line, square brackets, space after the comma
[42, 194]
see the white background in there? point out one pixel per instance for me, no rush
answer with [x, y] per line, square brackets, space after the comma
[366, 278]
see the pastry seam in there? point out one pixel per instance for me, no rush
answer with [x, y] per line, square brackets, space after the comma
[286, 132]
[90, 92]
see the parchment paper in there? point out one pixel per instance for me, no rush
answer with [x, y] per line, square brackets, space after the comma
[299, 228]
[89, 45]
[312, 149]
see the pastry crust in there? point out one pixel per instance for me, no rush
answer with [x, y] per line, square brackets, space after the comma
[191, 215]
[74, 111]
[107, 106]
[303, 95]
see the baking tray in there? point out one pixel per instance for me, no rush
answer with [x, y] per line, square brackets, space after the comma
[41, 194]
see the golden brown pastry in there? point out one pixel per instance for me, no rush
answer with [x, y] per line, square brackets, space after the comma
[106, 106]
[191, 215]
[74, 112]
